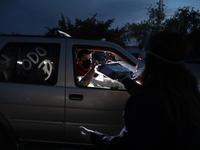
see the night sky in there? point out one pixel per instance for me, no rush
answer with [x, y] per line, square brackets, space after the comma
[31, 16]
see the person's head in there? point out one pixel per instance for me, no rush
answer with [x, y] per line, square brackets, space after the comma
[166, 72]
[84, 58]
[165, 56]
[168, 47]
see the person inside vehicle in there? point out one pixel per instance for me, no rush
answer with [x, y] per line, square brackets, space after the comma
[163, 111]
[85, 66]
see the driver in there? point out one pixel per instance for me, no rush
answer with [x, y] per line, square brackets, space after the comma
[85, 66]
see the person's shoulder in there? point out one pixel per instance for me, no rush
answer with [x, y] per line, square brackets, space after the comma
[147, 96]
[145, 93]
[146, 102]
[78, 66]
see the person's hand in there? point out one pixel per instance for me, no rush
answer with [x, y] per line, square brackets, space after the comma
[122, 76]
[94, 63]
[85, 133]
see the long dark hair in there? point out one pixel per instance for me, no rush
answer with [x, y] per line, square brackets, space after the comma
[166, 72]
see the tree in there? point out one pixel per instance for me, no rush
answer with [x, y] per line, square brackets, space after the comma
[141, 31]
[138, 31]
[185, 20]
[91, 28]
[156, 17]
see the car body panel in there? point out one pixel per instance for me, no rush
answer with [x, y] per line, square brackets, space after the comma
[53, 113]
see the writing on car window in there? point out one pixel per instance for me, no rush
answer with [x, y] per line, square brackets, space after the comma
[35, 63]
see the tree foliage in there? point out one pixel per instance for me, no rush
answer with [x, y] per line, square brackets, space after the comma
[91, 28]
[185, 20]
[156, 16]
[141, 31]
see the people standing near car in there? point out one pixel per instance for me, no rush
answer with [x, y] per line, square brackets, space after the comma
[163, 112]
[85, 66]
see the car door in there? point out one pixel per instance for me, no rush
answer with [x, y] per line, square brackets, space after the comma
[98, 108]
[31, 95]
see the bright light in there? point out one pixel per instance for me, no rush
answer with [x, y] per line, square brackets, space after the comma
[138, 82]
[20, 62]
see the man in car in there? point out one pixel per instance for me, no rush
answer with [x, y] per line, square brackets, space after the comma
[85, 66]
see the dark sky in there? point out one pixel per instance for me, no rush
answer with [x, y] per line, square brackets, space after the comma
[31, 16]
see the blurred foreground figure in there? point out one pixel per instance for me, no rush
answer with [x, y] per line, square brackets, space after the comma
[163, 112]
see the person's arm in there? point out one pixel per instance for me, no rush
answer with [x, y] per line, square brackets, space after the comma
[144, 123]
[129, 84]
[85, 81]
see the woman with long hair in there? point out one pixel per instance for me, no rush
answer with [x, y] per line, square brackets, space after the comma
[163, 111]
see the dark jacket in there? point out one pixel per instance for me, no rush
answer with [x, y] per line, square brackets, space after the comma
[147, 126]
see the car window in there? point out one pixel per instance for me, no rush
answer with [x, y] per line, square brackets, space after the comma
[33, 63]
[104, 56]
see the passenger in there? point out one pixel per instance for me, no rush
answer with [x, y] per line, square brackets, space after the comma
[85, 66]
[163, 112]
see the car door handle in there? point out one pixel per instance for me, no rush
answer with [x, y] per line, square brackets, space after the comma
[76, 97]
